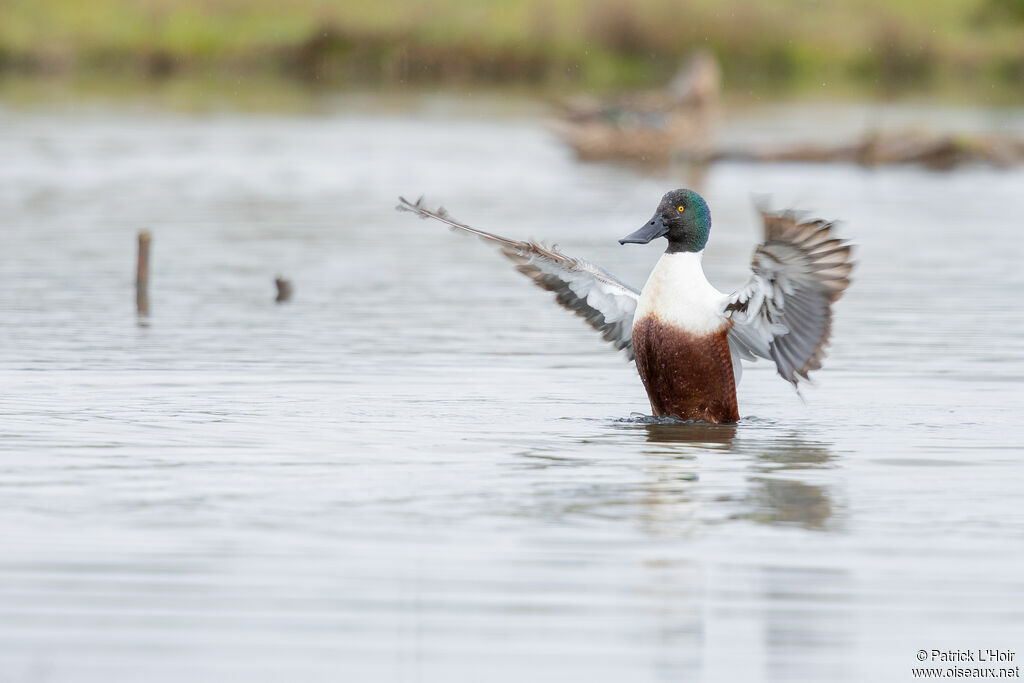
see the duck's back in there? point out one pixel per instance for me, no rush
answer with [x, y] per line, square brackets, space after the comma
[680, 340]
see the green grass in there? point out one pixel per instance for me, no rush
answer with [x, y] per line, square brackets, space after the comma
[766, 45]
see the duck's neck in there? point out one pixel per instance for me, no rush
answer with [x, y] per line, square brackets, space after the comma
[689, 246]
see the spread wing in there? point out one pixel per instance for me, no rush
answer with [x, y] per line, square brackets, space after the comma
[603, 301]
[784, 312]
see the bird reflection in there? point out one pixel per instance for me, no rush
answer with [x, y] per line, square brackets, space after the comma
[766, 499]
[789, 452]
[787, 501]
[692, 433]
[775, 500]
[698, 476]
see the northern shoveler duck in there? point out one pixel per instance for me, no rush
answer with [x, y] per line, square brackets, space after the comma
[686, 337]
[648, 127]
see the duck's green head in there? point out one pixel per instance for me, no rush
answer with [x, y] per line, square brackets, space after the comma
[682, 217]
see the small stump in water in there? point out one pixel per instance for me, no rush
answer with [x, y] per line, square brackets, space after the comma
[284, 290]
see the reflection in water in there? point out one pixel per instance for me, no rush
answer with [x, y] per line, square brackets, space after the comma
[690, 473]
[792, 606]
[699, 434]
[769, 499]
[789, 501]
[670, 500]
[789, 453]
[806, 609]
[785, 501]
[760, 615]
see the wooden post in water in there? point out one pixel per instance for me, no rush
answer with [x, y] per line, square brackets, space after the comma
[142, 274]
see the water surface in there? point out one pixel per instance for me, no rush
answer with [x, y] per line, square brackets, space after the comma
[422, 469]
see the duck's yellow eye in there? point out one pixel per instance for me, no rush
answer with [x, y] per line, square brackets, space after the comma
[680, 209]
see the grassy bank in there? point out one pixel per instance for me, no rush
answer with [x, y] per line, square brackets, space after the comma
[773, 44]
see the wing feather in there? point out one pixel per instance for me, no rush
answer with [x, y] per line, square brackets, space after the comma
[606, 303]
[784, 312]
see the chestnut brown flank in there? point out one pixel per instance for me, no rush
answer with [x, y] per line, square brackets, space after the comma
[686, 375]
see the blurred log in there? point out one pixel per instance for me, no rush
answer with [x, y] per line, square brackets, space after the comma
[937, 152]
[142, 274]
[284, 290]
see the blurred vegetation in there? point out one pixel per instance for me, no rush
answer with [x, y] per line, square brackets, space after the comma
[762, 44]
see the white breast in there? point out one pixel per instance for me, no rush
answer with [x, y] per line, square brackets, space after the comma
[678, 293]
